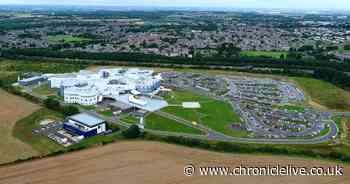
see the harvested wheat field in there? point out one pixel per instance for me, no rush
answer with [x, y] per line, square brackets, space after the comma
[12, 109]
[149, 162]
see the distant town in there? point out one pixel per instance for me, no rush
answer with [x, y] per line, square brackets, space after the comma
[182, 33]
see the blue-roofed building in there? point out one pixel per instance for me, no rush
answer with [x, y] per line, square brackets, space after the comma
[85, 124]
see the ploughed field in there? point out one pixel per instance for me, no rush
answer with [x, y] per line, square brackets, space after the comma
[12, 109]
[151, 162]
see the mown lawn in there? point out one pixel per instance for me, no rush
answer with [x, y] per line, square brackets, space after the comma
[215, 114]
[156, 122]
[325, 93]
[45, 90]
[66, 39]
[108, 113]
[130, 119]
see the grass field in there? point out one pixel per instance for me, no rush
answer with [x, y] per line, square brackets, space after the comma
[272, 54]
[66, 39]
[325, 94]
[13, 108]
[45, 90]
[156, 122]
[23, 131]
[215, 114]
[108, 113]
[88, 107]
[11, 69]
[130, 119]
[343, 124]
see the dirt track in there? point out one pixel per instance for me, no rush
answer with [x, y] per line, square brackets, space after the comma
[149, 162]
[12, 109]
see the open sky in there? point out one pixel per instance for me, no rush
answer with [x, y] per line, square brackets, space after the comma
[289, 4]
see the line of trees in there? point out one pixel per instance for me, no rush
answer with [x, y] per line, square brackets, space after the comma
[333, 76]
[152, 58]
[333, 72]
[231, 147]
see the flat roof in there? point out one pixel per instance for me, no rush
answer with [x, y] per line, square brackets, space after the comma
[121, 105]
[152, 104]
[87, 119]
[32, 79]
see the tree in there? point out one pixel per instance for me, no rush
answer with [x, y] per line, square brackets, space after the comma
[305, 48]
[132, 132]
[346, 47]
[228, 50]
[69, 110]
[52, 104]
[282, 56]
[294, 55]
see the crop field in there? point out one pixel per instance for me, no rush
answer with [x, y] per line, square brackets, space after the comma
[13, 108]
[271, 54]
[66, 39]
[215, 114]
[325, 94]
[152, 162]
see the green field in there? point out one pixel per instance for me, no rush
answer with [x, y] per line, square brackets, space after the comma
[23, 131]
[88, 107]
[107, 113]
[325, 94]
[130, 119]
[15, 67]
[156, 122]
[97, 140]
[215, 114]
[343, 124]
[45, 90]
[272, 54]
[66, 39]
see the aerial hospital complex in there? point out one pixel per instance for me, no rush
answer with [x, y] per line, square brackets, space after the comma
[89, 88]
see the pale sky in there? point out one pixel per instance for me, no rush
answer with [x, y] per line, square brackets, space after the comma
[291, 4]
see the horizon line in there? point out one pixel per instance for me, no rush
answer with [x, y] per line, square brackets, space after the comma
[178, 6]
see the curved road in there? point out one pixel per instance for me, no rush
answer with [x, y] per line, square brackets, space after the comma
[214, 135]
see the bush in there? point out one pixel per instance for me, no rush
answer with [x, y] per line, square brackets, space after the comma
[113, 127]
[132, 132]
[69, 110]
[52, 104]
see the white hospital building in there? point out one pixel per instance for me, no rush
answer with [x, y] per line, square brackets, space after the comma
[89, 88]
